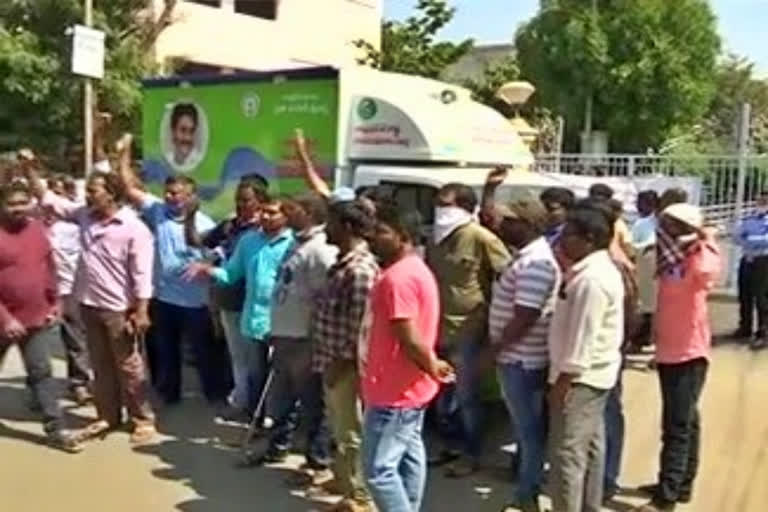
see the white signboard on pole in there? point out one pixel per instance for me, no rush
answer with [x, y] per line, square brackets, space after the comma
[88, 52]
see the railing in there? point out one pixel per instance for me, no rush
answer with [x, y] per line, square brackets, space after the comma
[719, 175]
[730, 184]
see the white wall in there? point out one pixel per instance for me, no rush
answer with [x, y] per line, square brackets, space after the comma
[306, 32]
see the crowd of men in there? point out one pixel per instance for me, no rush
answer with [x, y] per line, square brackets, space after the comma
[338, 313]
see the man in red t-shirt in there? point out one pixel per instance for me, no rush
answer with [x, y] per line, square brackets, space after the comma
[29, 314]
[400, 370]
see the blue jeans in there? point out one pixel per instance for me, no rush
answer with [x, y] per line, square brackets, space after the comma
[394, 459]
[250, 363]
[459, 407]
[525, 395]
[614, 439]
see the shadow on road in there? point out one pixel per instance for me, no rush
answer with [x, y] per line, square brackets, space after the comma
[206, 464]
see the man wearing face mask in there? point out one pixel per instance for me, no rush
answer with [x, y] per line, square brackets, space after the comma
[179, 308]
[466, 258]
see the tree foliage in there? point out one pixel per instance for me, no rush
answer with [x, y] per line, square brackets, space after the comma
[409, 46]
[717, 131]
[42, 100]
[650, 65]
[736, 85]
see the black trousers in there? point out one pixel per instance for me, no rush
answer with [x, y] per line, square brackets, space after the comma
[173, 325]
[753, 294]
[681, 386]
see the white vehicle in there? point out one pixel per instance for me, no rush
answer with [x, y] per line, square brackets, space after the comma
[413, 135]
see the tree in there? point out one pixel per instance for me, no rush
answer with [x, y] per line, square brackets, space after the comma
[716, 132]
[649, 66]
[736, 85]
[494, 76]
[42, 100]
[409, 47]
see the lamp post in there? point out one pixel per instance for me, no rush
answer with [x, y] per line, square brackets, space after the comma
[516, 94]
[88, 103]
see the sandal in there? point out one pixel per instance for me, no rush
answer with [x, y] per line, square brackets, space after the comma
[92, 431]
[143, 434]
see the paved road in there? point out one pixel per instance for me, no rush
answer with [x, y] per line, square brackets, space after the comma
[190, 470]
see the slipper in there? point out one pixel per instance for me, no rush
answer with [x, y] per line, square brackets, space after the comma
[143, 434]
[92, 431]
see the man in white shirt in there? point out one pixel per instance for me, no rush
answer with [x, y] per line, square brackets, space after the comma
[585, 356]
[65, 242]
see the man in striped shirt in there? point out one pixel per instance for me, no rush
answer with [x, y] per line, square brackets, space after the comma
[521, 309]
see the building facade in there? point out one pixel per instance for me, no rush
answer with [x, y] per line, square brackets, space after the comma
[257, 35]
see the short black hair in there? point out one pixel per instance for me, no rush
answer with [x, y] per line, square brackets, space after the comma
[315, 205]
[377, 194]
[651, 196]
[354, 215]
[601, 191]
[530, 211]
[55, 178]
[606, 208]
[181, 110]
[14, 187]
[407, 223]
[112, 184]
[592, 223]
[182, 180]
[255, 179]
[560, 195]
[255, 187]
[464, 195]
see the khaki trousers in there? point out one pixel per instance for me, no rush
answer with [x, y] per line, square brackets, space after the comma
[120, 376]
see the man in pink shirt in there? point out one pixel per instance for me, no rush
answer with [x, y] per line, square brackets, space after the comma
[400, 369]
[113, 287]
[687, 265]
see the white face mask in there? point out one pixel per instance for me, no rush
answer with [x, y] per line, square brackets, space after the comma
[448, 219]
[685, 239]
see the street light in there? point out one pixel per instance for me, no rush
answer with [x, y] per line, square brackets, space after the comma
[516, 94]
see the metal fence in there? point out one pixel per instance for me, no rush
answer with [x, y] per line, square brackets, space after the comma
[719, 174]
[731, 185]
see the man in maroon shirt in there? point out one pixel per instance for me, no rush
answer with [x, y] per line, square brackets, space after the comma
[28, 307]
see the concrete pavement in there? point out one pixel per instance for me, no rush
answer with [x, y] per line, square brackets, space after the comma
[191, 470]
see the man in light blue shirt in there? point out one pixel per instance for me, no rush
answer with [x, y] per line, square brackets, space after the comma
[179, 308]
[753, 274]
[256, 260]
[644, 242]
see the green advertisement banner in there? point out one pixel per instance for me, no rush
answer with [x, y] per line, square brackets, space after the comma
[220, 129]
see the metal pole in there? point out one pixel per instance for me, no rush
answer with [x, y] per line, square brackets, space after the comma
[746, 113]
[559, 142]
[588, 108]
[88, 103]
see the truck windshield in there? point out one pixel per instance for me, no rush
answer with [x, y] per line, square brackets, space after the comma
[411, 196]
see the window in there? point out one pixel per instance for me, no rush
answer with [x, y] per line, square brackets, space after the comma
[413, 197]
[260, 8]
[210, 3]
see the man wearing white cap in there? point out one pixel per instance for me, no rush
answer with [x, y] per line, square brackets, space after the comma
[688, 262]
